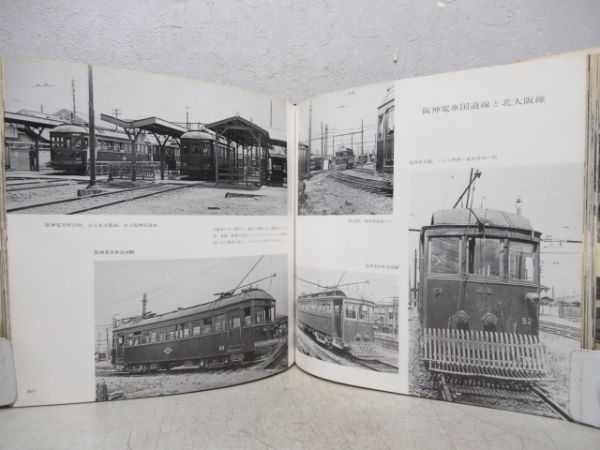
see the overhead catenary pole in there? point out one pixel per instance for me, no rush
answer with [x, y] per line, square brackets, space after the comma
[309, 138]
[362, 141]
[73, 92]
[322, 155]
[92, 127]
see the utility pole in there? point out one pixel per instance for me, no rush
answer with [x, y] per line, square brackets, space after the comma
[144, 303]
[326, 141]
[187, 118]
[362, 141]
[322, 155]
[309, 138]
[271, 115]
[73, 90]
[116, 113]
[92, 127]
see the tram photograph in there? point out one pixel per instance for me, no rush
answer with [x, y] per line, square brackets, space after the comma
[174, 326]
[348, 318]
[495, 285]
[346, 152]
[95, 140]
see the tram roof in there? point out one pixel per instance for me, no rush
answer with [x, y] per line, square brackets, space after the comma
[489, 217]
[33, 121]
[151, 124]
[241, 130]
[249, 294]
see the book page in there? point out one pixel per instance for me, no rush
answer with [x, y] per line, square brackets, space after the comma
[483, 242]
[149, 233]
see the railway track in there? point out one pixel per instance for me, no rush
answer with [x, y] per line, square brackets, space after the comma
[344, 359]
[39, 185]
[366, 184]
[104, 199]
[509, 394]
[387, 342]
[375, 364]
[567, 331]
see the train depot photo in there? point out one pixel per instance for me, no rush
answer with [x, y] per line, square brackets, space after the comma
[168, 327]
[495, 285]
[348, 318]
[93, 140]
[346, 153]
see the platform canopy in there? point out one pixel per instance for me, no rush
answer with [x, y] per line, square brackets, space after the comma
[31, 121]
[150, 124]
[241, 130]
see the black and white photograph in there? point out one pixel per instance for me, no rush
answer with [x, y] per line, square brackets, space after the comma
[346, 152]
[173, 326]
[495, 285]
[94, 140]
[348, 318]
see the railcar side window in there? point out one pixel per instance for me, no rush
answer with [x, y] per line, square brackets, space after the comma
[220, 323]
[207, 325]
[444, 255]
[486, 257]
[234, 322]
[247, 316]
[521, 261]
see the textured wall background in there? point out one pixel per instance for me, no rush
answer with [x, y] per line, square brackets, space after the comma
[297, 48]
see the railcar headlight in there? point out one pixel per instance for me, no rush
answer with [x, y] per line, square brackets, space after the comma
[459, 320]
[489, 320]
[532, 298]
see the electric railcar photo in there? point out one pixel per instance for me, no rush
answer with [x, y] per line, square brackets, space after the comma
[70, 152]
[336, 320]
[478, 296]
[232, 330]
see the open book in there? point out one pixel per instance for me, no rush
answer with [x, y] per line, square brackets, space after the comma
[431, 236]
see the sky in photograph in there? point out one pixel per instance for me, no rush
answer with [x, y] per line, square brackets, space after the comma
[342, 111]
[551, 197]
[379, 289]
[119, 286]
[33, 84]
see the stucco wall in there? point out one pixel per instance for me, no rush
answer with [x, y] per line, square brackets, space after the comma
[296, 49]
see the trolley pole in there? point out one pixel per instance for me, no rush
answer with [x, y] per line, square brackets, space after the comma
[92, 127]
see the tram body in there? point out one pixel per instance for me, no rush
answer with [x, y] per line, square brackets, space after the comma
[344, 159]
[337, 320]
[479, 294]
[70, 153]
[231, 330]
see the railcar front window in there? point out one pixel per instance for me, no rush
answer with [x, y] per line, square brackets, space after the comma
[351, 311]
[486, 257]
[521, 261]
[365, 313]
[444, 255]
[390, 122]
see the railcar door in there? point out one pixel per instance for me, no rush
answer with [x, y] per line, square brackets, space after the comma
[234, 337]
[337, 317]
